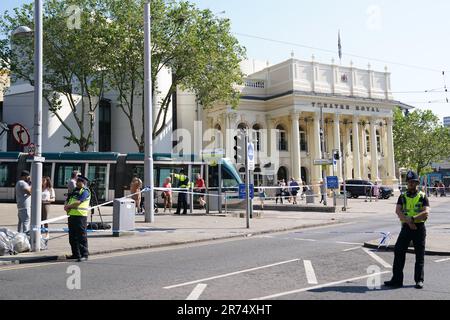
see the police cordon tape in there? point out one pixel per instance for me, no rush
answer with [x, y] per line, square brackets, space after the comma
[385, 239]
[187, 191]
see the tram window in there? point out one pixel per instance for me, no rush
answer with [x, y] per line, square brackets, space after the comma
[163, 174]
[228, 180]
[112, 176]
[63, 173]
[47, 170]
[133, 170]
[7, 174]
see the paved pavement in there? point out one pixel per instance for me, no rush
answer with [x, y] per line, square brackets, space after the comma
[174, 230]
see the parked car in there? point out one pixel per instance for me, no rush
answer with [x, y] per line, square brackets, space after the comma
[357, 188]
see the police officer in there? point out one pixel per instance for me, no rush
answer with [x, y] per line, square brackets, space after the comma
[77, 208]
[183, 182]
[412, 209]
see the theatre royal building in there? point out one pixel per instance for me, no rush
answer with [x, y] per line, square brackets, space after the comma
[282, 104]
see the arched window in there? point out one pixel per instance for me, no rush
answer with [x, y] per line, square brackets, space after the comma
[242, 125]
[303, 141]
[217, 136]
[378, 141]
[281, 138]
[367, 141]
[257, 136]
[351, 140]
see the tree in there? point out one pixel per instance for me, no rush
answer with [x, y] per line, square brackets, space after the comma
[419, 140]
[196, 46]
[106, 52]
[72, 59]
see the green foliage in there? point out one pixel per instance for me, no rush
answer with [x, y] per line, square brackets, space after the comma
[72, 58]
[108, 48]
[195, 45]
[419, 140]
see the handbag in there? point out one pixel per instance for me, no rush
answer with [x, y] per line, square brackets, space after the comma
[163, 195]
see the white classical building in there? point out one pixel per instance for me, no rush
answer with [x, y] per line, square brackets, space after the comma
[281, 104]
[288, 97]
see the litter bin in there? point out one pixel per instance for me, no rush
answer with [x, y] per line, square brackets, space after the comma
[309, 196]
[123, 217]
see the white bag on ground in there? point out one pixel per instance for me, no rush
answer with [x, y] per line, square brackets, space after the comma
[21, 243]
[5, 244]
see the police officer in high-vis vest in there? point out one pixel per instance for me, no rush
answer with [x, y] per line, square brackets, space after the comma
[183, 182]
[412, 209]
[77, 209]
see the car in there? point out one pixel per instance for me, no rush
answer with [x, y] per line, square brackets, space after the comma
[357, 188]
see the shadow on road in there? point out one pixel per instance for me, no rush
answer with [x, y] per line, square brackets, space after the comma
[355, 289]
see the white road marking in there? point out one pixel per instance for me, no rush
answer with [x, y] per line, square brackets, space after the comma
[377, 258]
[301, 239]
[319, 286]
[310, 274]
[343, 242]
[443, 260]
[230, 274]
[196, 293]
[351, 249]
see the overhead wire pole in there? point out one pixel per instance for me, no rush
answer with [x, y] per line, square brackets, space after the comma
[148, 126]
[36, 193]
[322, 146]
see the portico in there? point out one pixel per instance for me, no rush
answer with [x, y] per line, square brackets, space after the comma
[284, 102]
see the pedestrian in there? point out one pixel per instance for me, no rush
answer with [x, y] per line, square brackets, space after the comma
[200, 188]
[376, 191]
[305, 188]
[72, 183]
[442, 189]
[183, 183]
[262, 195]
[135, 190]
[23, 198]
[76, 206]
[48, 197]
[435, 188]
[413, 209]
[294, 187]
[167, 194]
[279, 192]
[322, 193]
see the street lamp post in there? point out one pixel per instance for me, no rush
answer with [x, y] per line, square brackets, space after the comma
[36, 196]
[322, 143]
[148, 125]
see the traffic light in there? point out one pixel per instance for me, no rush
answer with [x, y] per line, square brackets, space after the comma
[239, 148]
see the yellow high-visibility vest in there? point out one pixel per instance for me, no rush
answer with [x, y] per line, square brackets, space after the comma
[413, 206]
[82, 210]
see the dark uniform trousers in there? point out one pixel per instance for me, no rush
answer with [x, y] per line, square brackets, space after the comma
[418, 238]
[78, 236]
[182, 200]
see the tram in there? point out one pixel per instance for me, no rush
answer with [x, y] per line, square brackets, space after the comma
[111, 173]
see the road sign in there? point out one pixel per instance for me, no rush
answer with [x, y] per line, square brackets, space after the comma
[332, 182]
[251, 156]
[31, 149]
[323, 162]
[20, 134]
[242, 193]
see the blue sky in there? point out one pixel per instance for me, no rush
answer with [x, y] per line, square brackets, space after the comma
[408, 32]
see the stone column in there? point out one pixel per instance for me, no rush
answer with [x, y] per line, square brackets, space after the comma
[316, 170]
[389, 152]
[295, 150]
[268, 145]
[373, 152]
[337, 144]
[356, 151]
